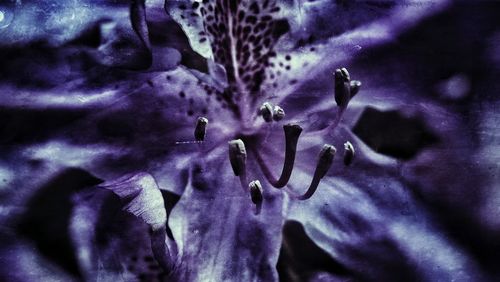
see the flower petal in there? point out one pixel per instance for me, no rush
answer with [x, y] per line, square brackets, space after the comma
[302, 260]
[190, 21]
[111, 244]
[305, 62]
[22, 262]
[368, 220]
[108, 136]
[219, 236]
[370, 211]
[141, 197]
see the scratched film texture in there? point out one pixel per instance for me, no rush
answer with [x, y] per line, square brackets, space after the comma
[107, 172]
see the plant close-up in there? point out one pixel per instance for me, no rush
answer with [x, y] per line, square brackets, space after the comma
[249, 140]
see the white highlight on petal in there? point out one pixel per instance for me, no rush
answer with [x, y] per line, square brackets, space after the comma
[57, 98]
[455, 88]
[70, 155]
[428, 248]
[6, 176]
[141, 196]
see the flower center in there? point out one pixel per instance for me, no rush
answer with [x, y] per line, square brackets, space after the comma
[242, 36]
[252, 140]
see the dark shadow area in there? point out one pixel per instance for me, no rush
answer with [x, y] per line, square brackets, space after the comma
[170, 200]
[457, 41]
[36, 65]
[393, 134]
[48, 216]
[170, 34]
[335, 17]
[300, 257]
[39, 66]
[462, 227]
[460, 40]
[110, 213]
[26, 126]
[90, 37]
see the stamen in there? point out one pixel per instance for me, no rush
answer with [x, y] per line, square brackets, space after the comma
[256, 195]
[278, 113]
[324, 163]
[200, 129]
[342, 87]
[238, 158]
[348, 153]
[292, 133]
[345, 89]
[266, 110]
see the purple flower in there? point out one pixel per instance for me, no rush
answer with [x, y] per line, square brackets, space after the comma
[227, 141]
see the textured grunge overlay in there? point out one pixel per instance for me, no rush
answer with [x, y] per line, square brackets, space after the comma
[249, 140]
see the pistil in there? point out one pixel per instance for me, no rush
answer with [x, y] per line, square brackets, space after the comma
[292, 133]
[324, 163]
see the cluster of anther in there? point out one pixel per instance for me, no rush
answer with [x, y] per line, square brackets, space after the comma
[345, 89]
[270, 113]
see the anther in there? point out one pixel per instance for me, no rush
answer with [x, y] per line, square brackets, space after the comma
[348, 153]
[238, 159]
[200, 129]
[278, 113]
[266, 110]
[237, 156]
[355, 85]
[255, 191]
[345, 89]
[256, 194]
[345, 74]
[325, 159]
[324, 163]
[342, 87]
[292, 133]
